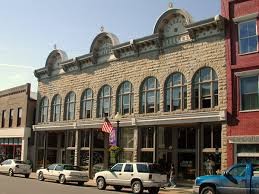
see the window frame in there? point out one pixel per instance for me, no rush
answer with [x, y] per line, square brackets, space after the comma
[171, 88]
[3, 118]
[144, 90]
[212, 81]
[44, 108]
[239, 37]
[83, 104]
[69, 101]
[101, 101]
[19, 117]
[240, 92]
[11, 114]
[120, 102]
[55, 115]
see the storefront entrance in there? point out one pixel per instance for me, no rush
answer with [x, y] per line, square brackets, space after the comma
[10, 148]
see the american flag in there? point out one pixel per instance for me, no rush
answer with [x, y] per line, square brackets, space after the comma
[107, 126]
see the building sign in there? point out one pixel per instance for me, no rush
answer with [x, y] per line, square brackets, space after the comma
[243, 139]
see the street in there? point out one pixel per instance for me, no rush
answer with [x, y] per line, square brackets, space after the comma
[19, 184]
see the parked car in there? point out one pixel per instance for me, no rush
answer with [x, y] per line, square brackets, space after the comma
[63, 173]
[138, 176]
[239, 178]
[12, 166]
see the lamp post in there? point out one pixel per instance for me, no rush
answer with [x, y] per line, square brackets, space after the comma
[118, 119]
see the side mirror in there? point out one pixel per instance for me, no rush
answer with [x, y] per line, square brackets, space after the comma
[225, 173]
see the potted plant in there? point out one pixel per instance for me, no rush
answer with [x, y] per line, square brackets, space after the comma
[114, 154]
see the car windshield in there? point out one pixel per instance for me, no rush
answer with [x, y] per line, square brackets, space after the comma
[20, 162]
[71, 167]
[154, 168]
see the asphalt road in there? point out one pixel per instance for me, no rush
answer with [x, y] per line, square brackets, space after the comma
[20, 185]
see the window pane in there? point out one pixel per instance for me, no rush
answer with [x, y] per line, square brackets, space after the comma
[147, 137]
[143, 101]
[217, 136]
[251, 28]
[128, 168]
[243, 45]
[181, 138]
[205, 74]
[167, 101]
[252, 42]
[150, 101]
[207, 136]
[205, 89]
[89, 93]
[127, 87]
[185, 97]
[127, 137]
[150, 83]
[106, 91]
[177, 79]
[243, 31]
[126, 104]
[249, 92]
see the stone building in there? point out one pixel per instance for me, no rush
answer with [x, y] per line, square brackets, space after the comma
[17, 113]
[169, 87]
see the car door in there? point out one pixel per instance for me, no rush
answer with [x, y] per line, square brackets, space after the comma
[57, 171]
[4, 166]
[235, 181]
[49, 171]
[113, 175]
[126, 175]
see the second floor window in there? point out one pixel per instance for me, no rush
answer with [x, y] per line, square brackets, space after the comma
[11, 118]
[56, 108]
[19, 117]
[175, 93]
[205, 88]
[70, 104]
[248, 38]
[86, 104]
[125, 98]
[249, 93]
[104, 101]
[44, 108]
[3, 118]
[150, 95]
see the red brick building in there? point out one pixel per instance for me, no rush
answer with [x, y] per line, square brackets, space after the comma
[243, 79]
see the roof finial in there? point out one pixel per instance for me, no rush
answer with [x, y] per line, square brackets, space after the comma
[102, 29]
[170, 5]
[55, 47]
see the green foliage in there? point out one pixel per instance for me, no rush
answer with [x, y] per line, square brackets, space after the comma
[114, 154]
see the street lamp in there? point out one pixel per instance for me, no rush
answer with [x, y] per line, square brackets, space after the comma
[118, 119]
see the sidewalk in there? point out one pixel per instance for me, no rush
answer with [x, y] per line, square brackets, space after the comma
[179, 189]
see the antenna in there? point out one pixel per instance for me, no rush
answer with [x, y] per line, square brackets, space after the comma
[102, 29]
[55, 47]
[170, 5]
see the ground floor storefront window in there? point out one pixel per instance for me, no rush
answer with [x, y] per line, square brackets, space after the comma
[186, 165]
[247, 153]
[10, 148]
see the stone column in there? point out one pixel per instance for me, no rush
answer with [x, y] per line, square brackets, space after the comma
[24, 151]
[135, 145]
[77, 154]
[224, 147]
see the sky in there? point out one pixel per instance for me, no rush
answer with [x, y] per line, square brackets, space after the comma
[29, 29]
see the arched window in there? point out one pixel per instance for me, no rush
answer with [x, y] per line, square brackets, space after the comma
[70, 104]
[150, 95]
[44, 108]
[175, 92]
[125, 98]
[104, 101]
[86, 104]
[56, 108]
[205, 88]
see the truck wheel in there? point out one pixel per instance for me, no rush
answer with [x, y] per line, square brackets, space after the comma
[117, 188]
[137, 187]
[208, 190]
[101, 184]
[10, 172]
[40, 176]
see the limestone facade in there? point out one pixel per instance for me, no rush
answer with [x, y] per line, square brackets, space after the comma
[177, 45]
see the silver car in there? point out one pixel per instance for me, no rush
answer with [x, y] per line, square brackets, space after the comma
[63, 173]
[12, 166]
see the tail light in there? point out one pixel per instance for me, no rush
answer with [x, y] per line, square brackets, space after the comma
[150, 177]
[17, 166]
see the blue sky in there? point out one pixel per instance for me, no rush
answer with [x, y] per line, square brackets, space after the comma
[30, 28]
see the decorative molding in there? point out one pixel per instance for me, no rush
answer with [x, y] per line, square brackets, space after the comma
[246, 17]
[247, 73]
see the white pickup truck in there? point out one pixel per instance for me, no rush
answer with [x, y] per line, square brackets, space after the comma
[138, 176]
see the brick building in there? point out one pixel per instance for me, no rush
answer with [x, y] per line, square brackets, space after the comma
[242, 77]
[169, 87]
[17, 109]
